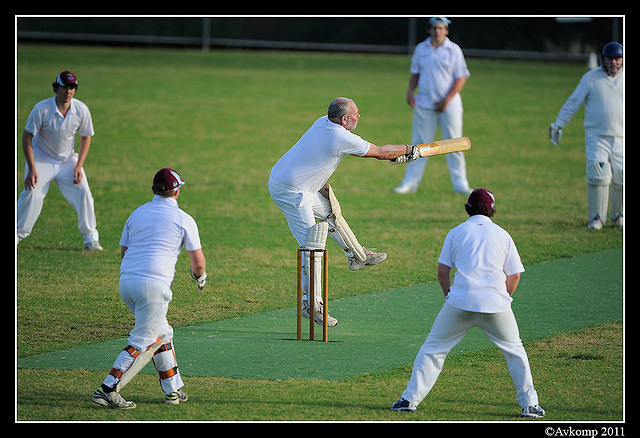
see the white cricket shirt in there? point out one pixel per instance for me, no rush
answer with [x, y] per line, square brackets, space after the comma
[54, 134]
[308, 165]
[602, 97]
[484, 255]
[154, 235]
[438, 69]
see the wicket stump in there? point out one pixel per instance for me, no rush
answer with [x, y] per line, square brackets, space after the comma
[325, 295]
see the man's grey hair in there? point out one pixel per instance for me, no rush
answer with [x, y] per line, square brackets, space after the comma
[340, 106]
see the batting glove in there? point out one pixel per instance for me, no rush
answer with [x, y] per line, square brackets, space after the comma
[200, 281]
[411, 154]
[555, 133]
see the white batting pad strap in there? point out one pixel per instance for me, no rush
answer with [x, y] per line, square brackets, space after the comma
[317, 237]
[317, 277]
[599, 173]
[341, 225]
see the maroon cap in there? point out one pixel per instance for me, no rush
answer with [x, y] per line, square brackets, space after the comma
[66, 78]
[169, 179]
[481, 198]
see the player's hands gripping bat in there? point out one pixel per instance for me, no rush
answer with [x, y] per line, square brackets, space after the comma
[434, 148]
[412, 153]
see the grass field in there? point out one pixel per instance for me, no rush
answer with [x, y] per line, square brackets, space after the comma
[222, 119]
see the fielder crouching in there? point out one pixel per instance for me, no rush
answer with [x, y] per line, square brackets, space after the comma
[151, 240]
[298, 186]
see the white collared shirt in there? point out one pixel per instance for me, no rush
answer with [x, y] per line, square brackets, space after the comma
[483, 254]
[438, 69]
[154, 234]
[602, 97]
[308, 165]
[55, 134]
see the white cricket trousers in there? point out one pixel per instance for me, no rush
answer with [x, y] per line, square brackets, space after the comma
[425, 123]
[149, 302]
[78, 195]
[301, 209]
[449, 328]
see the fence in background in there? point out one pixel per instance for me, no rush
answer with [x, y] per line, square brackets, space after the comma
[499, 37]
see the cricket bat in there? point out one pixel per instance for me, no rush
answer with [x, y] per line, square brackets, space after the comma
[444, 146]
[139, 363]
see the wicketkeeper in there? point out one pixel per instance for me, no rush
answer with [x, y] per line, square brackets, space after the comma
[601, 92]
[298, 186]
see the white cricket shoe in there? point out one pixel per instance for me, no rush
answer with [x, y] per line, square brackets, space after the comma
[619, 221]
[373, 258]
[111, 399]
[403, 405]
[403, 189]
[176, 397]
[596, 223]
[319, 316]
[532, 412]
[93, 246]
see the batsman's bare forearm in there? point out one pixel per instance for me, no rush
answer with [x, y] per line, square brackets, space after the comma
[386, 152]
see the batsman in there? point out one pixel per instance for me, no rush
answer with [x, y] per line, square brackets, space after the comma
[298, 186]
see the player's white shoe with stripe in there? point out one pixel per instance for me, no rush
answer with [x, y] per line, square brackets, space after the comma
[176, 397]
[318, 318]
[619, 221]
[111, 399]
[403, 405]
[533, 412]
[596, 223]
[373, 258]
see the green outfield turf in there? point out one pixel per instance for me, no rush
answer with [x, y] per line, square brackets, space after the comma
[376, 331]
[222, 119]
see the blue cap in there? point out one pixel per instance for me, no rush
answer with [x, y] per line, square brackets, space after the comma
[613, 49]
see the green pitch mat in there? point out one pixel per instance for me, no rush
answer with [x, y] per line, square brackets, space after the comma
[376, 331]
